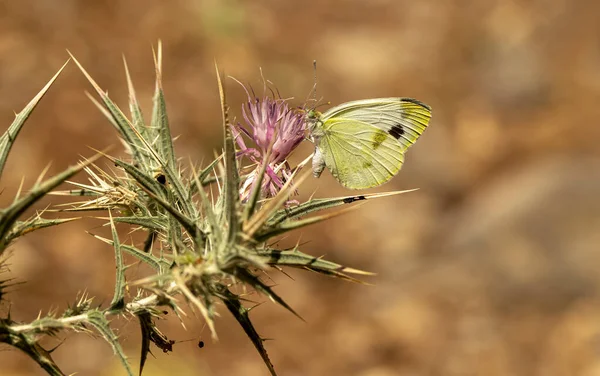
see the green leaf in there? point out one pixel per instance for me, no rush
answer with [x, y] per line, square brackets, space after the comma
[160, 121]
[233, 304]
[209, 212]
[232, 179]
[101, 324]
[258, 221]
[36, 223]
[188, 224]
[282, 221]
[29, 345]
[296, 259]
[8, 138]
[151, 333]
[134, 107]
[118, 120]
[203, 176]
[141, 177]
[154, 262]
[153, 223]
[9, 216]
[252, 280]
[175, 235]
[119, 294]
[314, 205]
[182, 198]
[257, 186]
[145, 326]
[268, 232]
[159, 264]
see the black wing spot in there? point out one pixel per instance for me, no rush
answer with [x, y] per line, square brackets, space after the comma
[396, 131]
[350, 200]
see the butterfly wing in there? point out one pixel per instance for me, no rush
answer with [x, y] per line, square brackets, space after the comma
[403, 118]
[359, 155]
[363, 142]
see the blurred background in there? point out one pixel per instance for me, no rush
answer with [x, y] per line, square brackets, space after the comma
[490, 268]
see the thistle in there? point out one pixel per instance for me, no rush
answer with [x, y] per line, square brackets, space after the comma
[209, 235]
[276, 130]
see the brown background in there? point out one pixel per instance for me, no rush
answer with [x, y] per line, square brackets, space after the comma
[491, 268]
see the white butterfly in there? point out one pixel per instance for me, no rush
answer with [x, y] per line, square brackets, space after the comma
[363, 142]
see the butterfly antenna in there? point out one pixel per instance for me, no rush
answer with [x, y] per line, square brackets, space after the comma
[315, 80]
[312, 95]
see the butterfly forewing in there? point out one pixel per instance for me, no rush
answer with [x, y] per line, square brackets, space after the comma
[403, 118]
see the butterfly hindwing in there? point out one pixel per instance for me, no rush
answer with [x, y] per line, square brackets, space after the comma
[359, 155]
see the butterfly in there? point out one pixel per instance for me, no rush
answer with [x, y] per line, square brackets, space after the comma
[363, 142]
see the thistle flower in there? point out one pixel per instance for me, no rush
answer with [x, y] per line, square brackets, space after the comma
[270, 123]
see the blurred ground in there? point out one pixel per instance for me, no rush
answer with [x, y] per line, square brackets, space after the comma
[491, 268]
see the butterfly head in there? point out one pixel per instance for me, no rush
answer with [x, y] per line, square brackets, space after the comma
[313, 118]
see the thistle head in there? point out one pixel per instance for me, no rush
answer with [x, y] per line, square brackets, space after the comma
[276, 130]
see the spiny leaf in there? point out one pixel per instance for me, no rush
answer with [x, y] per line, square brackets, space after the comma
[259, 219]
[145, 323]
[256, 283]
[181, 194]
[268, 232]
[160, 121]
[24, 227]
[209, 213]
[134, 107]
[295, 258]
[100, 323]
[29, 345]
[156, 263]
[232, 179]
[159, 264]
[151, 333]
[233, 304]
[82, 304]
[205, 308]
[322, 204]
[195, 232]
[145, 180]
[141, 149]
[9, 216]
[149, 242]
[174, 233]
[257, 189]
[153, 223]
[119, 294]
[117, 118]
[203, 176]
[75, 192]
[8, 138]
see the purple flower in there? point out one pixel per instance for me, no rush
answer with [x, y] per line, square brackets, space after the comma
[269, 121]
